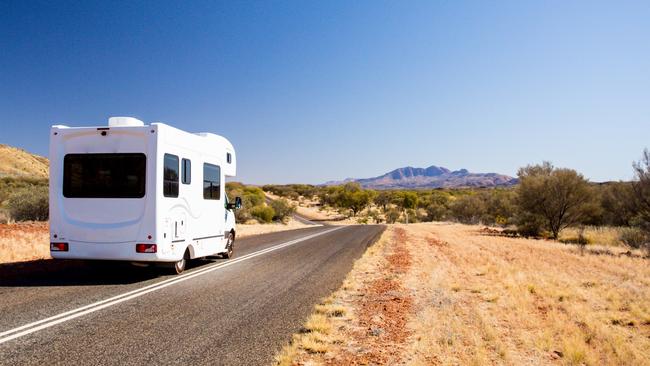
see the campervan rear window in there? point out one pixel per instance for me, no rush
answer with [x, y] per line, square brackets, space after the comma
[120, 175]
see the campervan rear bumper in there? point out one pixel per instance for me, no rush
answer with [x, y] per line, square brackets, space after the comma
[114, 251]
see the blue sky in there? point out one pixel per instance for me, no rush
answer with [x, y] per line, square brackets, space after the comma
[315, 91]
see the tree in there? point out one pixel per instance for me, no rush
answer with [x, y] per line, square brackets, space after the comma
[560, 197]
[641, 188]
[350, 196]
[468, 209]
[406, 200]
[383, 199]
[435, 212]
[498, 204]
[618, 203]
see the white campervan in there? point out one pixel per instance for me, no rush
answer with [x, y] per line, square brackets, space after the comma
[140, 193]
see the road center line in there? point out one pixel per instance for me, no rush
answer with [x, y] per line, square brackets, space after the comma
[91, 308]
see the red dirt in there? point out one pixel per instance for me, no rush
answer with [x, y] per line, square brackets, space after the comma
[7, 230]
[382, 314]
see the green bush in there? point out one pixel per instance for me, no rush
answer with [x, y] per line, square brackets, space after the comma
[349, 197]
[251, 197]
[263, 213]
[283, 209]
[29, 204]
[11, 185]
[468, 209]
[435, 212]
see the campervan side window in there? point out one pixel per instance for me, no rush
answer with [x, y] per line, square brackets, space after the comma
[211, 182]
[170, 176]
[187, 171]
[119, 175]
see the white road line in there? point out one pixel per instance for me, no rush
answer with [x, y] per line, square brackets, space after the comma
[91, 308]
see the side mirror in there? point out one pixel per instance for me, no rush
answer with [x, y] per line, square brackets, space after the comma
[238, 203]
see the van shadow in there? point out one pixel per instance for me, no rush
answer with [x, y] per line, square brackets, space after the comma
[47, 272]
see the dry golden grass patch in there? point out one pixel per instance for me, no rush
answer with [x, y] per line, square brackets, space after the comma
[601, 235]
[245, 230]
[18, 162]
[24, 241]
[312, 210]
[472, 299]
[489, 299]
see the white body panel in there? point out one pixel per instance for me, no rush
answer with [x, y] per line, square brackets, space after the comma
[110, 228]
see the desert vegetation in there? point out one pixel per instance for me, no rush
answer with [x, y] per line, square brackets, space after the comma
[23, 199]
[255, 207]
[548, 202]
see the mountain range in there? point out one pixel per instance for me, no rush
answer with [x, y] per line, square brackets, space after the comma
[432, 177]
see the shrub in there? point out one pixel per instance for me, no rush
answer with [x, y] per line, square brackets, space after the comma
[362, 219]
[410, 216]
[634, 237]
[11, 185]
[616, 202]
[263, 213]
[529, 225]
[468, 209]
[350, 197]
[375, 216]
[579, 240]
[436, 212]
[499, 206]
[392, 215]
[283, 209]
[29, 204]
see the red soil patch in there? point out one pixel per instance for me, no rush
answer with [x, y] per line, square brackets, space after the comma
[435, 242]
[383, 313]
[10, 230]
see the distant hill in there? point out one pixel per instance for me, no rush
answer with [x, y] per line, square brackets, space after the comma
[15, 162]
[432, 177]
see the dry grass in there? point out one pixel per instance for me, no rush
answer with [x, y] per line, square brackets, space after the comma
[18, 162]
[492, 300]
[24, 241]
[245, 230]
[311, 210]
[601, 235]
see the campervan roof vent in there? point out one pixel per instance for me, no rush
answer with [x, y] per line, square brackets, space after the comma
[124, 122]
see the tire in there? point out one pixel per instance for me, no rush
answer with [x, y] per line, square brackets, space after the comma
[179, 267]
[230, 246]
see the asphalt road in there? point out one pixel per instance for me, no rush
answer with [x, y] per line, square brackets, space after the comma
[220, 312]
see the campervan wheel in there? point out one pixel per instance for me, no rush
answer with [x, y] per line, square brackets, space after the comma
[230, 246]
[179, 266]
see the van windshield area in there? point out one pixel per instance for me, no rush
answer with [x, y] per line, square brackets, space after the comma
[120, 175]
